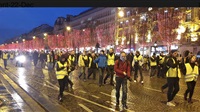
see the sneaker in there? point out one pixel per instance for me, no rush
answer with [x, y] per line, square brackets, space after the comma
[142, 82]
[135, 81]
[170, 104]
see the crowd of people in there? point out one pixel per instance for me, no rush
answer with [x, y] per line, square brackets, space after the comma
[120, 67]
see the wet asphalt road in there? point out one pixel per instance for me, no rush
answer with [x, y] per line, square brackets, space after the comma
[33, 84]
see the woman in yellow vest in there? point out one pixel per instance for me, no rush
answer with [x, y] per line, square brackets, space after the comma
[62, 75]
[191, 72]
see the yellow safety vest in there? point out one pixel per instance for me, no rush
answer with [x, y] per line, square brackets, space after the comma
[162, 59]
[139, 59]
[111, 59]
[62, 73]
[5, 56]
[191, 74]
[11, 56]
[173, 72]
[49, 58]
[153, 63]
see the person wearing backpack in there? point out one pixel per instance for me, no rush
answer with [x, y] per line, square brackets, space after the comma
[173, 75]
[191, 72]
[122, 68]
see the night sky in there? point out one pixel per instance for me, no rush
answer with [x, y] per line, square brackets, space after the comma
[16, 21]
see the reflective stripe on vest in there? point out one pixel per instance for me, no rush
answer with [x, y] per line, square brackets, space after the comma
[191, 74]
[111, 59]
[5, 56]
[162, 59]
[153, 63]
[62, 73]
[173, 72]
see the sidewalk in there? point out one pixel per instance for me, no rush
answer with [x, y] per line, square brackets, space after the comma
[7, 103]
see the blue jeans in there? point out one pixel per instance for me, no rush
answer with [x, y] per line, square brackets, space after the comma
[121, 82]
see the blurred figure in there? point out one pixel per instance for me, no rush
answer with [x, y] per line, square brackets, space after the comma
[160, 62]
[137, 64]
[83, 63]
[102, 64]
[62, 75]
[130, 58]
[49, 61]
[191, 72]
[5, 58]
[92, 66]
[35, 57]
[153, 64]
[110, 67]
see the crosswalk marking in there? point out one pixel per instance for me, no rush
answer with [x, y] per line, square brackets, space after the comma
[86, 108]
[95, 96]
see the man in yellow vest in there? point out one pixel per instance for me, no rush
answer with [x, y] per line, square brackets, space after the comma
[49, 61]
[191, 72]
[160, 62]
[110, 67]
[5, 58]
[61, 69]
[153, 65]
[137, 64]
[173, 74]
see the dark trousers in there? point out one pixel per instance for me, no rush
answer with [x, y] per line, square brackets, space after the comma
[110, 73]
[173, 87]
[5, 62]
[138, 68]
[153, 71]
[83, 69]
[92, 71]
[121, 82]
[35, 61]
[190, 88]
[160, 71]
[62, 83]
[165, 86]
[68, 81]
[101, 75]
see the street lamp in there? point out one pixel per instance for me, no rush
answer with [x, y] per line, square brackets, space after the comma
[68, 28]
[33, 37]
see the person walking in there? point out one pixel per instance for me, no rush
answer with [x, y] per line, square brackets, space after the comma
[173, 74]
[153, 65]
[5, 58]
[83, 64]
[122, 68]
[191, 72]
[110, 67]
[137, 64]
[61, 69]
[102, 64]
[35, 57]
[92, 66]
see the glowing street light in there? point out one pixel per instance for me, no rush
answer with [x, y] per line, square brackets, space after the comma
[23, 40]
[68, 28]
[45, 34]
[121, 13]
[33, 37]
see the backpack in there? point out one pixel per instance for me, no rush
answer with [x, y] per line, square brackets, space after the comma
[120, 61]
